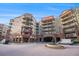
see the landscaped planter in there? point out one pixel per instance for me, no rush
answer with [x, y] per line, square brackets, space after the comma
[55, 46]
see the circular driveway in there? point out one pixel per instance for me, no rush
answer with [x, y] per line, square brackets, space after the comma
[37, 49]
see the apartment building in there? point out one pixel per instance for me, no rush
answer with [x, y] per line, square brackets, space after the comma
[4, 32]
[70, 22]
[59, 28]
[48, 29]
[23, 28]
[38, 32]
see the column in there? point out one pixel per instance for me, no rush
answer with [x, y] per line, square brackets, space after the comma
[21, 40]
[42, 39]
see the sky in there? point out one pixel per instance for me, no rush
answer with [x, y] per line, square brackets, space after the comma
[38, 10]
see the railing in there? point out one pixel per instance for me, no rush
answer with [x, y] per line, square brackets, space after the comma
[51, 25]
[71, 35]
[66, 14]
[27, 19]
[67, 22]
[71, 29]
[47, 23]
[73, 24]
[67, 18]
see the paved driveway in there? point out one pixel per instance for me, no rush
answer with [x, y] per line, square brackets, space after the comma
[37, 49]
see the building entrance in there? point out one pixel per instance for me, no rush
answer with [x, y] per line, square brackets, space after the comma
[47, 39]
[25, 39]
[57, 39]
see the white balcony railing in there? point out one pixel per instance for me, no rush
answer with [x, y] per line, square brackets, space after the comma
[69, 30]
[67, 17]
[66, 26]
[70, 20]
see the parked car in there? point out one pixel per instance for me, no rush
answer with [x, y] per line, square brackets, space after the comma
[76, 41]
[4, 41]
[66, 41]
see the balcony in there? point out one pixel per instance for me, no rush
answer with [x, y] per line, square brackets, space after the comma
[48, 26]
[27, 23]
[69, 30]
[48, 33]
[23, 25]
[66, 13]
[48, 30]
[71, 35]
[67, 18]
[68, 26]
[47, 19]
[27, 19]
[68, 22]
[26, 30]
[47, 23]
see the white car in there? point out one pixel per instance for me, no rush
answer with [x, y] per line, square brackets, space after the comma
[3, 41]
[66, 41]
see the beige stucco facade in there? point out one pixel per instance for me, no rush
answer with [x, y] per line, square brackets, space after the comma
[49, 28]
[21, 24]
[70, 22]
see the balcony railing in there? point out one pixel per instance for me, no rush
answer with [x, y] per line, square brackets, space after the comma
[48, 27]
[71, 35]
[47, 23]
[67, 18]
[27, 19]
[48, 30]
[26, 30]
[68, 22]
[68, 30]
[67, 26]
[66, 13]
[48, 33]
[27, 22]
